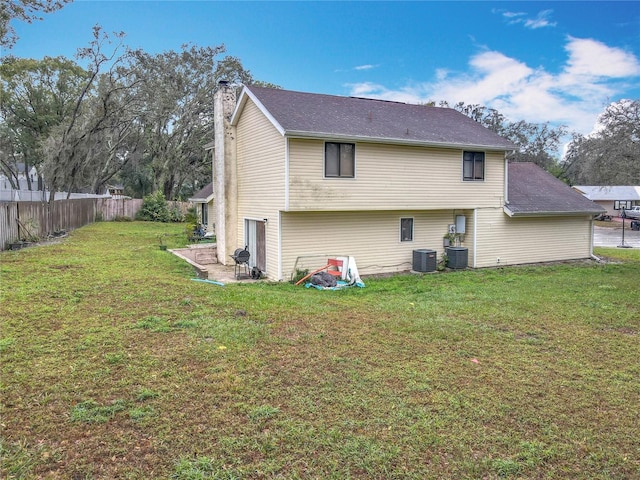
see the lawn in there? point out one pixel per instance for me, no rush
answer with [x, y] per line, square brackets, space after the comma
[115, 365]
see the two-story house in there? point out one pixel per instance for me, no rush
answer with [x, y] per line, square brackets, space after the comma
[301, 176]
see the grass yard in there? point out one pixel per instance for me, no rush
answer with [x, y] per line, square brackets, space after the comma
[115, 365]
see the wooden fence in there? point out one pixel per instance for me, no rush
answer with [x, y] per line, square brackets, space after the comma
[25, 221]
[113, 208]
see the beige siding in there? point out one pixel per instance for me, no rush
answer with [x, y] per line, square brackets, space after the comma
[609, 205]
[372, 238]
[211, 216]
[261, 178]
[313, 218]
[391, 177]
[530, 239]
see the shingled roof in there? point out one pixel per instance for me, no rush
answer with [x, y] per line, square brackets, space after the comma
[203, 195]
[312, 115]
[604, 193]
[534, 192]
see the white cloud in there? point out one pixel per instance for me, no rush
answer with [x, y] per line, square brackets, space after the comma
[510, 15]
[574, 97]
[541, 20]
[590, 58]
[375, 90]
[365, 67]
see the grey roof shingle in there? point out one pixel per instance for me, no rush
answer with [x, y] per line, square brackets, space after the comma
[330, 116]
[204, 193]
[533, 191]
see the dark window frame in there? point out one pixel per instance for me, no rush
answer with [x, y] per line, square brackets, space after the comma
[473, 166]
[403, 229]
[338, 170]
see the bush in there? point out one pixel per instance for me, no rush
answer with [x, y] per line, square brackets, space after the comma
[175, 215]
[155, 209]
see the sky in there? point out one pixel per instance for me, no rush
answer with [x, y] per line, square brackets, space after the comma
[556, 62]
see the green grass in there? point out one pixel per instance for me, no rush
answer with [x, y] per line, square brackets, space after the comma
[115, 365]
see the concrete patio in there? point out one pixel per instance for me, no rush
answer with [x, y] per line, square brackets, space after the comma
[204, 259]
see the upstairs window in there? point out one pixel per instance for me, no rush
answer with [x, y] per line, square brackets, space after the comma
[473, 166]
[339, 160]
[406, 229]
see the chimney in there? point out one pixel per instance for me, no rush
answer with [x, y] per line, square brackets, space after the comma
[224, 173]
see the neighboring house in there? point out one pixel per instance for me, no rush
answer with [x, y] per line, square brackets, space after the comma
[22, 174]
[612, 198]
[22, 192]
[301, 176]
[116, 191]
[205, 208]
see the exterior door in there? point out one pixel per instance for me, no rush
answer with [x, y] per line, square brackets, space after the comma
[256, 241]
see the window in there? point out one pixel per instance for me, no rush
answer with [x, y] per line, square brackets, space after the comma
[473, 166]
[406, 229]
[339, 160]
[205, 214]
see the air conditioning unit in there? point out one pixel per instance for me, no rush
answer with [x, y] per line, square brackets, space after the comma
[424, 261]
[457, 257]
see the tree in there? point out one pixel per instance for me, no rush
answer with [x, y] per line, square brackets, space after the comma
[96, 138]
[611, 155]
[8, 160]
[35, 97]
[25, 10]
[84, 126]
[537, 143]
[177, 90]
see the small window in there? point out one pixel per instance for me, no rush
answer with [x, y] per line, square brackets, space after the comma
[339, 160]
[473, 166]
[406, 229]
[205, 214]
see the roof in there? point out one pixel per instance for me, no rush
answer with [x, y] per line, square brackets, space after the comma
[312, 115]
[205, 195]
[609, 192]
[534, 192]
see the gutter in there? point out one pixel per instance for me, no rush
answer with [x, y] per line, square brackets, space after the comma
[391, 141]
[550, 213]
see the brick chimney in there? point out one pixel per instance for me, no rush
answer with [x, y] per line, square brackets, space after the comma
[224, 173]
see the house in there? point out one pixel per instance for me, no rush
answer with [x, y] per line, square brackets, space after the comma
[19, 178]
[612, 198]
[205, 207]
[116, 191]
[302, 176]
[16, 186]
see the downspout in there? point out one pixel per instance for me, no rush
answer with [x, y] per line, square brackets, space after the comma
[506, 179]
[286, 205]
[286, 174]
[591, 254]
[475, 237]
[280, 246]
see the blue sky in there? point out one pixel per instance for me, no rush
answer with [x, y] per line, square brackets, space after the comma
[561, 62]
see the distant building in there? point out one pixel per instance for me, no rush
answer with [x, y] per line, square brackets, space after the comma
[205, 207]
[613, 198]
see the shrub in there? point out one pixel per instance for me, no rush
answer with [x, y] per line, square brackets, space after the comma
[175, 215]
[155, 209]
